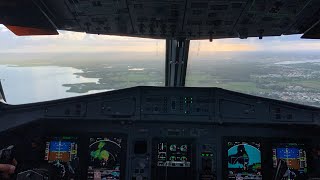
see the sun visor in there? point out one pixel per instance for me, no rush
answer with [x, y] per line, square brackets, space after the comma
[28, 31]
[25, 18]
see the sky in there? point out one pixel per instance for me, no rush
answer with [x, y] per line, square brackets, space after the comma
[89, 43]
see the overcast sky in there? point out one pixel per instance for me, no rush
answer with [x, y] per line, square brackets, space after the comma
[81, 42]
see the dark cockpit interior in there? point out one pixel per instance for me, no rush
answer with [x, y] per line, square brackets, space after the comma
[163, 133]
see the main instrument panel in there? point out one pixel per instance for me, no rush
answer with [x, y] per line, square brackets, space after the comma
[153, 133]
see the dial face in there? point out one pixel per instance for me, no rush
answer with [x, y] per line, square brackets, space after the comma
[105, 158]
[62, 154]
[173, 147]
[173, 158]
[177, 155]
[244, 160]
[295, 156]
[183, 158]
[184, 148]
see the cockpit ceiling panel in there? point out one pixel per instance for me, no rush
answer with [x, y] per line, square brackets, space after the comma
[191, 19]
[313, 32]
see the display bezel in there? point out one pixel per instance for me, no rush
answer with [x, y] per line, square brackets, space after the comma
[60, 138]
[157, 140]
[304, 144]
[239, 139]
[266, 144]
[83, 141]
[300, 141]
[76, 139]
[123, 150]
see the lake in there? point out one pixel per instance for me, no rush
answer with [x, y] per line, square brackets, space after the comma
[23, 85]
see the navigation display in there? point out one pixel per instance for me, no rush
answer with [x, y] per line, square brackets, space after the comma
[174, 154]
[105, 158]
[62, 153]
[295, 157]
[244, 160]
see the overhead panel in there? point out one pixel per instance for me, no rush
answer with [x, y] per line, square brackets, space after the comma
[267, 18]
[101, 16]
[313, 32]
[212, 19]
[191, 19]
[306, 17]
[158, 19]
[163, 19]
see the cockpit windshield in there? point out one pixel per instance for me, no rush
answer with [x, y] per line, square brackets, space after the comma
[283, 68]
[34, 69]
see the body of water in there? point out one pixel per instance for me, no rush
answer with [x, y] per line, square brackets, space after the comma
[43, 83]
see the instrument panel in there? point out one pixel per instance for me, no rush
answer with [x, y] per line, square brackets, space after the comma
[148, 151]
[149, 133]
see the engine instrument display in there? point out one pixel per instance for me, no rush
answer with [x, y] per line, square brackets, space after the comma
[174, 154]
[244, 160]
[295, 157]
[62, 153]
[105, 158]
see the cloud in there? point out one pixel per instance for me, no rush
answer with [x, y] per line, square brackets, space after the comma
[63, 36]
[79, 36]
[68, 41]
[58, 48]
[280, 44]
[197, 47]
[295, 46]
